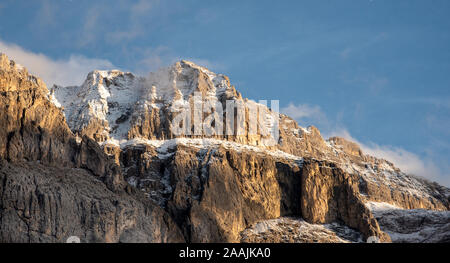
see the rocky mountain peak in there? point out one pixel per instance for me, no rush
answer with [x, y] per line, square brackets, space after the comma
[4, 61]
[187, 78]
[192, 188]
[12, 67]
[348, 147]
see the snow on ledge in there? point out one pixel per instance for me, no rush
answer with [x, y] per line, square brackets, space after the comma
[381, 206]
[164, 145]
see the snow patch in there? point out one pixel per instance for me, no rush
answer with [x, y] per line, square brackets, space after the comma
[377, 206]
[163, 146]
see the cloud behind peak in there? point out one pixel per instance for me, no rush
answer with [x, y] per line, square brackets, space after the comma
[65, 72]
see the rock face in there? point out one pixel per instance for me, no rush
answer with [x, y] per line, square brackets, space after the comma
[32, 127]
[50, 204]
[53, 186]
[330, 195]
[118, 109]
[100, 161]
[213, 195]
[412, 226]
[295, 230]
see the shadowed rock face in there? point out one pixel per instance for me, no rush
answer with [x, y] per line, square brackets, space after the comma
[49, 204]
[54, 184]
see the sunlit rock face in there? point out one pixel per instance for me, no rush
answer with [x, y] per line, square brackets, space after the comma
[101, 161]
[54, 186]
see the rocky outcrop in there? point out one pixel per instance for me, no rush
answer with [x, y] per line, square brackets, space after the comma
[32, 128]
[112, 106]
[379, 192]
[296, 230]
[53, 186]
[48, 204]
[214, 195]
[115, 176]
[330, 195]
[412, 226]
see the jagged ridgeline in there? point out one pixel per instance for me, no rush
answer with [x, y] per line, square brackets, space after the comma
[100, 161]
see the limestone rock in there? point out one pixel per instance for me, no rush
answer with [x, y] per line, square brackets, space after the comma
[412, 226]
[53, 186]
[49, 204]
[295, 230]
[114, 172]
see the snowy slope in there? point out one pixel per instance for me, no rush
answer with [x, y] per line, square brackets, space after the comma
[296, 230]
[105, 96]
[413, 225]
[163, 146]
[111, 97]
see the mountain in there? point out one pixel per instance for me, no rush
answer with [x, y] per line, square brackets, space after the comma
[104, 161]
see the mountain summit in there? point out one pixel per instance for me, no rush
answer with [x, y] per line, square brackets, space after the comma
[105, 155]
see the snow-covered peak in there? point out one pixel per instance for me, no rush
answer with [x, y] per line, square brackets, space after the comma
[185, 78]
[121, 107]
[105, 96]
[111, 98]
[104, 84]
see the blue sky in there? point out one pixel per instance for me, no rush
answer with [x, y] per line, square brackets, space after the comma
[376, 71]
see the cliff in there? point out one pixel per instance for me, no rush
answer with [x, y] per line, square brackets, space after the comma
[100, 161]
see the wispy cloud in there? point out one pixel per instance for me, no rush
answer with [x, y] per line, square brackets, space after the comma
[367, 81]
[71, 71]
[151, 59]
[344, 54]
[132, 15]
[439, 102]
[427, 166]
[301, 111]
[356, 47]
[211, 65]
[90, 26]
[45, 15]
[408, 162]
[142, 7]
[306, 113]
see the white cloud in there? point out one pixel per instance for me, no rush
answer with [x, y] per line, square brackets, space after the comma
[154, 58]
[405, 160]
[71, 71]
[213, 66]
[151, 59]
[302, 111]
[119, 36]
[142, 7]
[135, 21]
[408, 162]
[306, 114]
